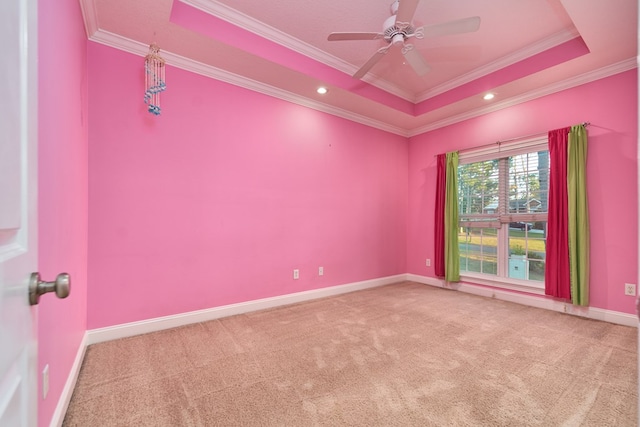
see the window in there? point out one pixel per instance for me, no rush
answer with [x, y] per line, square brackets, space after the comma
[503, 196]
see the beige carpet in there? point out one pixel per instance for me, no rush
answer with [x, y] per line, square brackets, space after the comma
[399, 355]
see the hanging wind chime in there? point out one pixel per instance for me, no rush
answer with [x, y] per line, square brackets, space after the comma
[154, 79]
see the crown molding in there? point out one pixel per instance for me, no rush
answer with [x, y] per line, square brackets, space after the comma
[268, 32]
[90, 16]
[572, 82]
[239, 19]
[534, 49]
[134, 47]
[222, 11]
[140, 49]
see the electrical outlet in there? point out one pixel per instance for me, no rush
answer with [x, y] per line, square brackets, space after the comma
[630, 289]
[320, 271]
[45, 381]
[296, 274]
[428, 262]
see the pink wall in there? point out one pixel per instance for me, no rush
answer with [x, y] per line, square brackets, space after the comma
[62, 198]
[219, 199]
[610, 105]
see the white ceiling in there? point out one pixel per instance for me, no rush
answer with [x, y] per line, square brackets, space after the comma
[524, 49]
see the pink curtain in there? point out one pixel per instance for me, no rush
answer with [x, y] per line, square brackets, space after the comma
[557, 273]
[441, 182]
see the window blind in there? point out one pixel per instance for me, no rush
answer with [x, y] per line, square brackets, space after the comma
[504, 184]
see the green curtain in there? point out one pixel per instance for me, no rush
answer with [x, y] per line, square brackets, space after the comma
[578, 215]
[451, 251]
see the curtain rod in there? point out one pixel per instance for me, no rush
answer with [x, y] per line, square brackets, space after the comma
[585, 124]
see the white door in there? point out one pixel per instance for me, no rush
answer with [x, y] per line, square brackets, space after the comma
[18, 220]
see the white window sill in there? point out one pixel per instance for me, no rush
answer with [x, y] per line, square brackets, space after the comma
[527, 286]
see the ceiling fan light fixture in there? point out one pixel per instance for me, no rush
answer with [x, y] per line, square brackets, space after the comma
[322, 90]
[489, 96]
[397, 39]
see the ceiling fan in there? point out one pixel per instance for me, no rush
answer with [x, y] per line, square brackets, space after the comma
[397, 29]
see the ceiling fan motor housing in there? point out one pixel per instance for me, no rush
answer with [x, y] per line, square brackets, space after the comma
[394, 34]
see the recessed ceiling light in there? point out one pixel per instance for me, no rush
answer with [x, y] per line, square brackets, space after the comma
[322, 90]
[488, 96]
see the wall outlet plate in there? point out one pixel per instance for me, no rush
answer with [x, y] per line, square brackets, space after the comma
[296, 274]
[630, 289]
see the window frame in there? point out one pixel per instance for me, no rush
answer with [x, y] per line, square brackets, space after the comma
[496, 152]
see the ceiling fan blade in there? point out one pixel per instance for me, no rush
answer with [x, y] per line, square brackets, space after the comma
[466, 25]
[406, 9]
[354, 36]
[371, 62]
[416, 60]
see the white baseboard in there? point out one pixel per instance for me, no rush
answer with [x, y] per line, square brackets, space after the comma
[157, 324]
[152, 325]
[69, 386]
[532, 301]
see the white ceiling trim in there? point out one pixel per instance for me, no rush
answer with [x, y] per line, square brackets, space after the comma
[90, 16]
[140, 49]
[134, 47]
[268, 32]
[572, 82]
[544, 44]
[251, 24]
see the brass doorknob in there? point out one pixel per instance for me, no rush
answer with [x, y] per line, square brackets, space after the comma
[37, 287]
